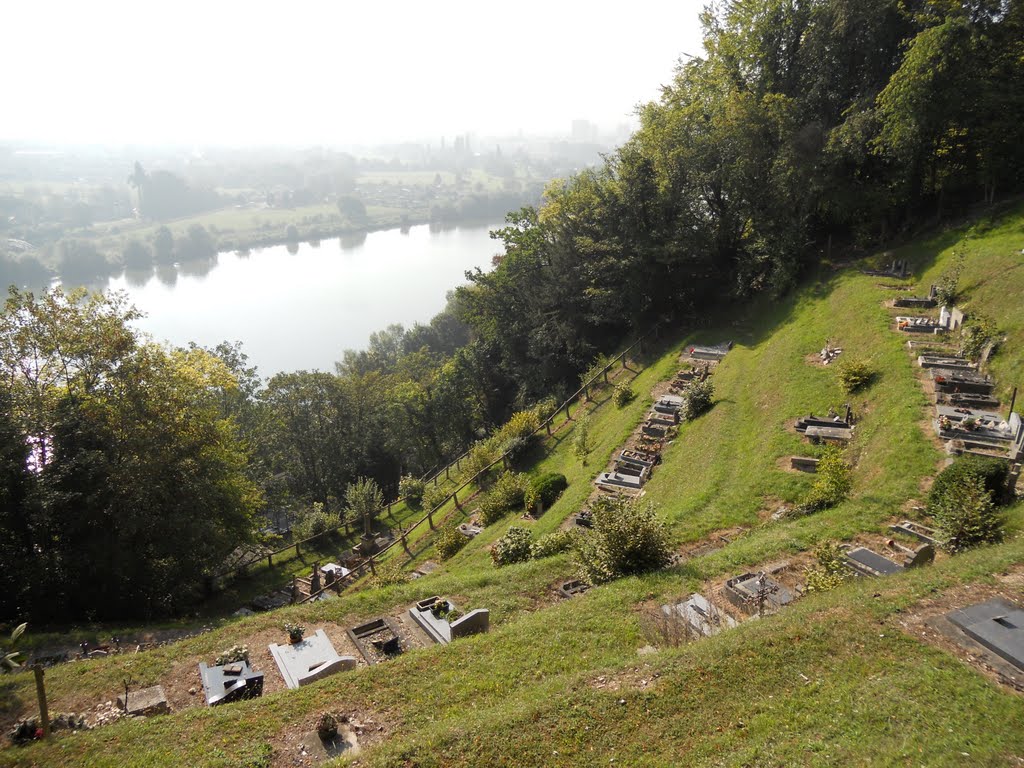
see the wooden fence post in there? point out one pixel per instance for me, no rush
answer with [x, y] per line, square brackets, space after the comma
[270, 560]
[447, 476]
[405, 543]
[455, 498]
[430, 519]
[586, 392]
[622, 359]
[606, 375]
[435, 481]
[297, 552]
[567, 410]
[373, 568]
[548, 425]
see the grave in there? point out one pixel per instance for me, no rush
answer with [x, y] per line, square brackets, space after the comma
[805, 422]
[865, 562]
[573, 588]
[145, 702]
[916, 302]
[663, 420]
[669, 405]
[951, 319]
[916, 530]
[309, 660]
[584, 519]
[655, 431]
[915, 324]
[638, 459]
[829, 434]
[951, 380]
[618, 480]
[743, 590]
[431, 616]
[898, 269]
[713, 352]
[700, 614]
[625, 468]
[953, 362]
[804, 463]
[997, 625]
[377, 640]
[967, 400]
[230, 682]
[469, 530]
[983, 428]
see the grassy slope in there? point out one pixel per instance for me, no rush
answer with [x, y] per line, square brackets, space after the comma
[831, 680]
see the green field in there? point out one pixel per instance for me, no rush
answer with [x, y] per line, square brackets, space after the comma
[837, 678]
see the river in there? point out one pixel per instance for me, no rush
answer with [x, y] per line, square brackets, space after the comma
[297, 307]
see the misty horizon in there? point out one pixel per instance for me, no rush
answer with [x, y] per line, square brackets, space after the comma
[233, 75]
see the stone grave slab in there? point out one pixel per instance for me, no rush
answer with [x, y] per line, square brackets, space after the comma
[953, 362]
[625, 468]
[469, 530]
[865, 562]
[917, 302]
[713, 352]
[145, 702]
[377, 640]
[967, 400]
[955, 381]
[573, 588]
[918, 531]
[312, 659]
[657, 419]
[912, 324]
[804, 463]
[997, 625]
[430, 615]
[834, 434]
[619, 480]
[230, 682]
[806, 422]
[653, 430]
[700, 614]
[637, 459]
[742, 592]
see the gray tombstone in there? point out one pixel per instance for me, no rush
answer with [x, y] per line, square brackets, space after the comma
[997, 625]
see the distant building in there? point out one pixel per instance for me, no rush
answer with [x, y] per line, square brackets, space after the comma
[584, 132]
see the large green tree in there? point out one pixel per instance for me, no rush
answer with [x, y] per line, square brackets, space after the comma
[127, 482]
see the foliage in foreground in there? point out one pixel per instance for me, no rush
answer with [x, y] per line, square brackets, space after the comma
[626, 538]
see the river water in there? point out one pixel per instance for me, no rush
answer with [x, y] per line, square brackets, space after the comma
[299, 310]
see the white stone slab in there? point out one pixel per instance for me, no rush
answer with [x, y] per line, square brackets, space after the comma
[312, 659]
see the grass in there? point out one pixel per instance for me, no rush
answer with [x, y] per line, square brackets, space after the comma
[833, 679]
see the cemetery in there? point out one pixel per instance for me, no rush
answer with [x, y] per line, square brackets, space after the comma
[310, 659]
[434, 615]
[917, 302]
[952, 362]
[953, 381]
[572, 588]
[757, 593]
[897, 269]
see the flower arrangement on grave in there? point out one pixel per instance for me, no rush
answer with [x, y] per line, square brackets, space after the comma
[295, 632]
[441, 609]
[970, 424]
[945, 422]
[232, 655]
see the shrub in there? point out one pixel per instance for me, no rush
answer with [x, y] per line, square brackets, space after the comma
[513, 547]
[993, 473]
[511, 491]
[582, 445]
[963, 502]
[517, 435]
[552, 544]
[831, 570]
[854, 374]
[623, 395]
[626, 538]
[314, 522]
[947, 289]
[977, 334]
[598, 384]
[480, 456]
[450, 541]
[547, 488]
[832, 482]
[232, 655]
[411, 489]
[389, 574]
[700, 396]
[432, 496]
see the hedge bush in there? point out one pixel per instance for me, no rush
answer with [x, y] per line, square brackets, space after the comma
[548, 487]
[552, 544]
[511, 491]
[854, 375]
[700, 396]
[831, 485]
[450, 541]
[513, 547]
[963, 502]
[411, 489]
[626, 538]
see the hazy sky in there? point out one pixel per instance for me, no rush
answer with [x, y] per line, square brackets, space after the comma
[333, 72]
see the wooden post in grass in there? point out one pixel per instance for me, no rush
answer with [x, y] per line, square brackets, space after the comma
[405, 542]
[567, 416]
[622, 359]
[44, 712]
[606, 374]
[297, 553]
[373, 567]
[447, 475]
[455, 498]
[548, 425]
[430, 519]
[270, 560]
